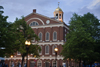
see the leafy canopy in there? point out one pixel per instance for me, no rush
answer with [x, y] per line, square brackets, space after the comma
[6, 36]
[81, 39]
[24, 32]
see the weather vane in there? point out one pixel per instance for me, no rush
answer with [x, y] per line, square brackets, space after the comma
[58, 4]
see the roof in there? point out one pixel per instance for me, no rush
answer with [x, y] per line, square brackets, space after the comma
[58, 9]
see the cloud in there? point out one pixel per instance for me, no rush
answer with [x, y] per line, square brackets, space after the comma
[94, 3]
[94, 11]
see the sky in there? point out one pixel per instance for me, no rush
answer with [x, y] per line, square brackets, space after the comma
[18, 8]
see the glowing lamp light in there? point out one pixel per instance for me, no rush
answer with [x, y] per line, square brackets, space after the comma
[56, 49]
[27, 42]
[11, 56]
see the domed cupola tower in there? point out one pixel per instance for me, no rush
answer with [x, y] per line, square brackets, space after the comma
[58, 13]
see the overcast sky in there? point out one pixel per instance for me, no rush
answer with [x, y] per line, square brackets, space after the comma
[18, 8]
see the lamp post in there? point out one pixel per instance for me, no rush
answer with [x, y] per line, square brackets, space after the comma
[27, 43]
[56, 50]
[11, 59]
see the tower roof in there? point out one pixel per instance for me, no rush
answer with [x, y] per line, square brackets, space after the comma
[58, 9]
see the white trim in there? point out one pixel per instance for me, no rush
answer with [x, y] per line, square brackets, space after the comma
[42, 57]
[46, 36]
[49, 25]
[50, 43]
[36, 18]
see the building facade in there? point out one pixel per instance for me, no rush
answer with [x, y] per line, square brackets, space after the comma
[52, 32]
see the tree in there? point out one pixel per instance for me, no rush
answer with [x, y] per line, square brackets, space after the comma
[81, 39]
[24, 32]
[6, 39]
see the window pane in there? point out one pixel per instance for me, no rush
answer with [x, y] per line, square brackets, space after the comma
[33, 23]
[47, 49]
[36, 23]
[40, 36]
[41, 49]
[47, 36]
[54, 35]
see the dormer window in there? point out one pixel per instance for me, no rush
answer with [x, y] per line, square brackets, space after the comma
[33, 23]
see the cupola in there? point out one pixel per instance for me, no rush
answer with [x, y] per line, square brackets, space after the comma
[58, 13]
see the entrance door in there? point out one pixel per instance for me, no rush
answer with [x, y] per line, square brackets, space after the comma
[46, 64]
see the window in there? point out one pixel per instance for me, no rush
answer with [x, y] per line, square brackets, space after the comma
[18, 53]
[54, 46]
[39, 63]
[40, 36]
[54, 36]
[47, 49]
[33, 23]
[40, 52]
[54, 64]
[47, 36]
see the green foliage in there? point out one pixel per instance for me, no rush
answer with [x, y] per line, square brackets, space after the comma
[81, 39]
[24, 32]
[6, 39]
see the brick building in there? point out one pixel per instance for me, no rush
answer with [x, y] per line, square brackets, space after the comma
[52, 32]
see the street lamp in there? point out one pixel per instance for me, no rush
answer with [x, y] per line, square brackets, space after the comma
[56, 50]
[11, 60]
[27, 43]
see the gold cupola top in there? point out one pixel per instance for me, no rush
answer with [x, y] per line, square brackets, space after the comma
[58, 9]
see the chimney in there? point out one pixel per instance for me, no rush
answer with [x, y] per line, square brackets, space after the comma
[34, 10]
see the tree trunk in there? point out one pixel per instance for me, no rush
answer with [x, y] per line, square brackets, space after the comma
[80, 62]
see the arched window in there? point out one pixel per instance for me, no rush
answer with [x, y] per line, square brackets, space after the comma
[39, 63]
[54, 63]
[54, 36]
[47, 49]
[47, 36]
[40, 36]
[54, 46]
[34, 23]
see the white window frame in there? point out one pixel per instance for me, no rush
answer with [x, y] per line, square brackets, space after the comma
[53, 36]
[48, 50]
[46, 36]
[41, 36]
[39, 61]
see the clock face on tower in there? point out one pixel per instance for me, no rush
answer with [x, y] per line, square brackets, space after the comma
[48, 21]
